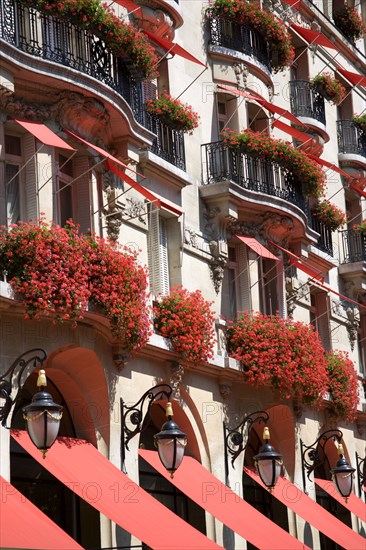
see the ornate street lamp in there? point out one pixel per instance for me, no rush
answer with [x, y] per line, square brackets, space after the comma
[170, 441]
[268, 462]
[343, 475]
[43, 417]
[313, 456]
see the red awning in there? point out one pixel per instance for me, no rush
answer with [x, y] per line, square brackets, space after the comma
[81, 467]
[238, 92]
[300, 264]
[145, 192]
[355, 78]
[330, 165]
[173, 48]
[305, 507]
[293, 3]
[359, 191]
[23, 525]
[300, 136]
[44, 134]
[130, 6]
[219, 500]
[108, 156]
[257, 247]
[314, 37]
[354, 504]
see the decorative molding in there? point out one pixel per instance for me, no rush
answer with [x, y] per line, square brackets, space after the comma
[215, 230]
[155, 21]
[225, 388]
[175, 379]
[190, 237]
[120, 356]
[136, 209]
[112, 210]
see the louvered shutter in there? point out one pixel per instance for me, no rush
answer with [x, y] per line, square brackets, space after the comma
[243, 286]
[163, 259]
[81, 194]
[30, 178]
[158, 253]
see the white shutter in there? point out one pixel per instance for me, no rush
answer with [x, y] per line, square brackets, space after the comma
[30, 178]
[81, 194]
[158, 253]
[243, 286]
[163, 260]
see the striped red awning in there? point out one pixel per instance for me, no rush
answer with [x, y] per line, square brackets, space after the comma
[44, 134]
[173, 48]
[257, 247]
[314, 37]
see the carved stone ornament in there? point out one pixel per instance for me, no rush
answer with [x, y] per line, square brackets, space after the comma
[111, 210]
[241, 73]
[276, 228]
[176, 375]
[215, 230]
[136, 209]
[190, 237]
[120, 356]
[352, 325]
[155, 21]
[83, 115]
[225, 388]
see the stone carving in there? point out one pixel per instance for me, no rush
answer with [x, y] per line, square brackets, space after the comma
[176, 375]
[136, 210]
[18, 108]
[216, 234]
[112, 210]
[120, 356]
[295, 294]
[190, 237]
[241, 72]
[225, 388]
[352, 325]
[155, 21]
[276, 228]
[242, 228]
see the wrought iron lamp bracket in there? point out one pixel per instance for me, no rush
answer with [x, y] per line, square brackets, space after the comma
[13, 378]
[234, 438]
[361, 469]
[311, 458]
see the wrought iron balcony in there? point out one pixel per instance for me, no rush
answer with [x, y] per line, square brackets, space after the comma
[325, 242]
[66, 44]
[240, 39]
[305, 101]
[168, 144]
[254, 174]
[353, 247]
[351, 139]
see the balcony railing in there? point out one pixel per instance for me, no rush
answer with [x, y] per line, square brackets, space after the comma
[168, 144]
[325, 242]
[351, 139]
[305, 101]
[239, 38]
[254, 174]
[353, 247]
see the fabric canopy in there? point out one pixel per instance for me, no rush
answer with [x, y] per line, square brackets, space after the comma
[130, 6]
[314, 37]
[81, 467]
[108, 156]
[219, 500]
[257, 247]
[23, 525]
[44, 134]
[293, 3]
[237, 92]
[300, 136]
[145, 192]
[173, 48]
[330, 165]
[290, 495]
[355, 78]
[353, 504]
[300, 264]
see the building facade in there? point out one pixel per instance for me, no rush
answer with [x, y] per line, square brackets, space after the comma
[202, 209]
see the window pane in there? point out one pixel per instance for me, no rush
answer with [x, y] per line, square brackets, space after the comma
[13, 145]
[12, 193]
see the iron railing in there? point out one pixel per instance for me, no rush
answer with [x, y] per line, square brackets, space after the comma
[66, 44]
[305, 101]
[168, 144]
[351, 139]
[353, 247]
[325, 242]
[254, 174]
[239, 38]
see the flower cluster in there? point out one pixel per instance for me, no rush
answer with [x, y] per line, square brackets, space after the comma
[329, 214]
[259, 144]
[285, 354]
[173, 112]
[343, 385]
[57, 271]
[330, 88]
[350, 23]
[121, 38]
[264, 22]
[360, 228]
[186, 319]
[360, 120]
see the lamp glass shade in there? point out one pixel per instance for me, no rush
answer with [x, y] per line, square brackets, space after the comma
[43, 418]
[269, 471]
[171, 452]
[342, 476]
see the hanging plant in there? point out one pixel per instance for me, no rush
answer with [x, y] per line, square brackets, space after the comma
[360, 120]
[343, 385]
[330, 88]
[281, 353]
[360, 228]
[264, 22]
[123, 40]
[261, 145]
[186, 319]
[350, 23]
[173, 113]
[329, 214]
[56, 271]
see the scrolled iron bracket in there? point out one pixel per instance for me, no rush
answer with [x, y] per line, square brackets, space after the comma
[13, 378]
[234, 438]
[313, 456]
[361, 474]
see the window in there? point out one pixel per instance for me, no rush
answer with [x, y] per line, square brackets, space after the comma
[268, 287]
[319, 316]
[13, 163]
[65, 190]
[361, 341]
[236, 282]
[158, 252]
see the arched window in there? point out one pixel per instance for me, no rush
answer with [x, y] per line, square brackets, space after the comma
[58, 502]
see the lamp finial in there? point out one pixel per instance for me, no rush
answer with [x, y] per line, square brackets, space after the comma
[41, 380]
[266, 435]
[169, 410]
[340, 449]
